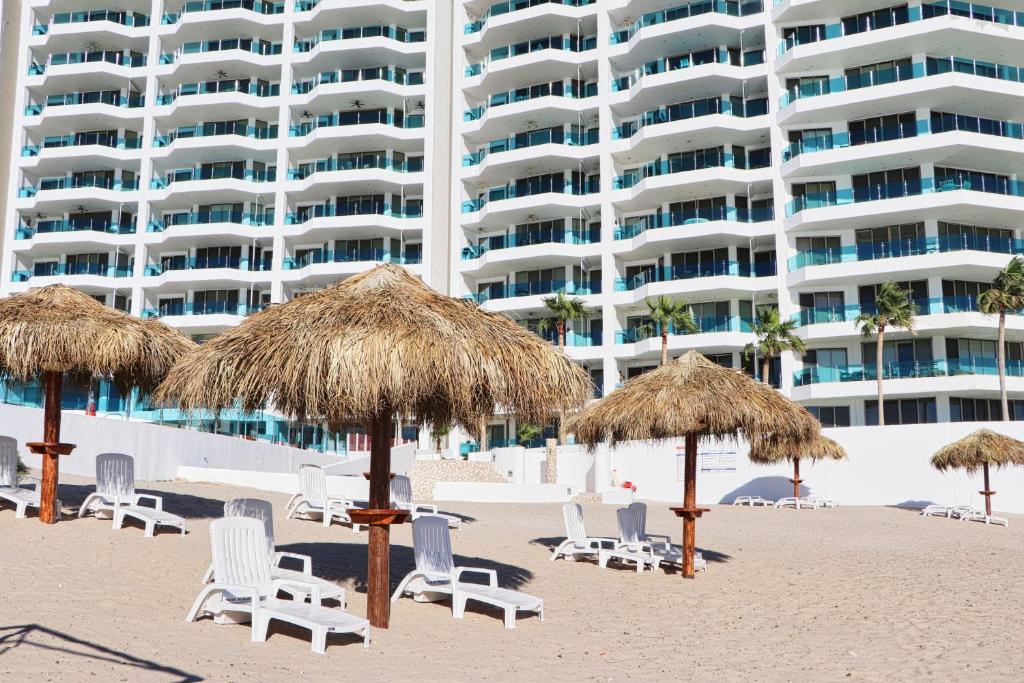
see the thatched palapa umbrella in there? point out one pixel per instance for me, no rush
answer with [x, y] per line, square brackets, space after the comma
[52, 331]
[769, 449]
[979, 450]
[697, 399]
[379, 344]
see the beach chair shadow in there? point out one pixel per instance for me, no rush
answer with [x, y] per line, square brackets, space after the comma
[772, 488]
[182, 504]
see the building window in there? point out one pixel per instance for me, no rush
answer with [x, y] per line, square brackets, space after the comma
[982, 410]
[905, 411]
[831, 416]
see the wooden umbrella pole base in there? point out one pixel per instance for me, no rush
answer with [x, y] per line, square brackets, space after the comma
[690, 516]
[49, 506]
[378, 517]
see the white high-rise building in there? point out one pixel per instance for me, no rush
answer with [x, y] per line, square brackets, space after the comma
[199, 160]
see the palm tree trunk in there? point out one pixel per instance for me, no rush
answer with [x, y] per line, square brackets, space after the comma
[561, 413]
[664, 344]
[879, 346]
[766, 366]
[1001, 366]
[561, 334]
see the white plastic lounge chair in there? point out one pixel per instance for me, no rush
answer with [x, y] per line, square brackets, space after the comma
[577, 541]
[401, 498]
[11, 488]
[242, 584]
[980, 516]
[115, 494]
[958, 511]
[798, 503]
[628, 548]
[935, 510]
[752, 501]
[436, 576]
[254, 508]
[313, 498]
[820, 502]
[635, 542]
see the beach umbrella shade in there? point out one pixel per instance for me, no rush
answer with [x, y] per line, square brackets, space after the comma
[54, 331]
[693, 398]
[980, 450]
[769, 449]
[379, 344]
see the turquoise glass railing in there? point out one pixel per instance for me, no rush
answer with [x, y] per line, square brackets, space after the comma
[76, 183]
[689, 110]
[582, 339]
[204, 130]
[106, 225]
[687, 61]
[760, 159]
[208, 308]
[856, 195]
[535, 288]
[561, 43]
[257, 47]
[109, 97]
[943, 367]
[80, 140]
[391, 74]
[548, 136]
[573, 90]
[357, 118]
[56, 269]
[258, 6]
[347, 256]
[243, 86]
[100, 56]
[396, 33]
[870, 251]
[685, 11]
[513, 191]
[686, 272]
[116, 16]
[367, 208]
[633, 226]
[849, 312]
[182, 175]
[361, 162]
[904, 15]
[179, 263]
[512, 240]
[705, 325]
[206, 217]
[500, 8]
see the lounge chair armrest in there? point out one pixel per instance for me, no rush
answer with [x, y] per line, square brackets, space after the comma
[311, 588]
[306, 560]
[432, 509]
[158, 502]
[331, 500]
[35, 481]
[459, 571]
[667, 540]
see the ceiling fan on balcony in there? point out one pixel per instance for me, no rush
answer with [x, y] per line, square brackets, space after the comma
[91, 46]
[358, 104]
[221, 74]
[305, 114]
[419, 105]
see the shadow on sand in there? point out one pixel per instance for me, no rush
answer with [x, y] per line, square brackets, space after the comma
[21, 635]
[184, 505]
[552, 542]
[771, 488]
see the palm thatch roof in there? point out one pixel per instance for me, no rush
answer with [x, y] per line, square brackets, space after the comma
[974, 450]
[60, 329]
[381, 342]
[692, 395]
[768, 449]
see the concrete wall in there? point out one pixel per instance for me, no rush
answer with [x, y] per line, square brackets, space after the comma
[887, 466]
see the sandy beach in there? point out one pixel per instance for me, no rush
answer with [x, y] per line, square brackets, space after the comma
[854, 593]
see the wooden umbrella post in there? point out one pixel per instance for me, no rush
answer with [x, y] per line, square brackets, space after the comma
[988, 492]
[378, 582]
[690, 512]
[50, 448]
[796, 478]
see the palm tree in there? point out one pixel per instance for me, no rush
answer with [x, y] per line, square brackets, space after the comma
[894, 309]
[563, 309]
[774, 336]
[438, 433]
[528, 433]
[1005, 294]
[666, 313]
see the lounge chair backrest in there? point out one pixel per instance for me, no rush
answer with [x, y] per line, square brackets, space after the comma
[432, 545]
[8, 462]
[115, 476]
[313, 484]
[629, 524]
[573, 515]
[640, 510]
[239, 549]
[401, 490]
[254, 508]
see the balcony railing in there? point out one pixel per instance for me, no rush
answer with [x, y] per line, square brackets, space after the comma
[109, 97]
[928, 10]
[77, 183]
[360, 209]
[253, 46]
[513, 240]
[536, 288]
[670, 167]
[258, 6]
[207, 217]
[112, 15]
[513, 191]
[849, 312]
[204, 130]
[106, 225]
[633, 226]
[560, 43]
[871, 251]
[103, 56]
[362, 162]
[500, 8]
[348, 256]
[209, 308]
[185, 263]
[524, 94]
[688, 61]
[81, 140]
[935, 66]
[391, 74]
[973, 365]
[396, 33]
[185, 175]
[705, 325]
[358, 118]
[241, 85]
[695, 8]
[714, 269]
[895, 190]
[56, 269]
[532, 139]
[690, 110]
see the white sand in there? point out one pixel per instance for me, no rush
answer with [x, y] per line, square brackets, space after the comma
[864, 593]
